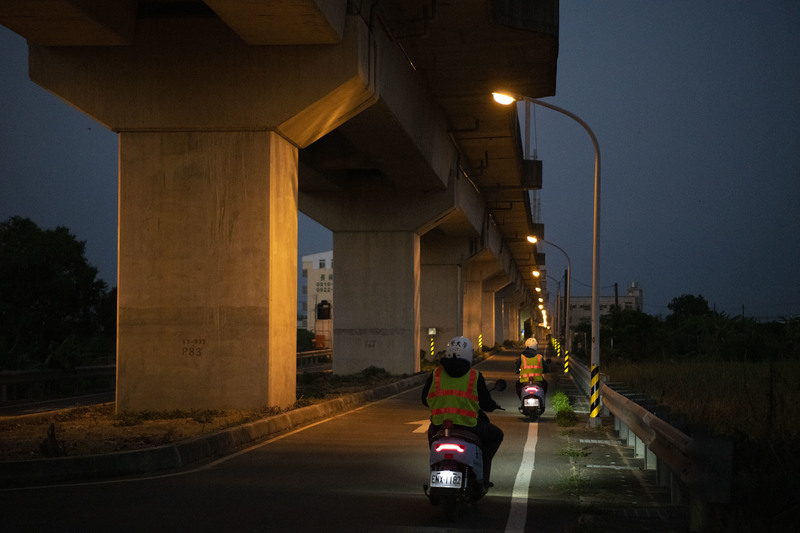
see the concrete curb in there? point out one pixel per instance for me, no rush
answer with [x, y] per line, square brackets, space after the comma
[15, 474]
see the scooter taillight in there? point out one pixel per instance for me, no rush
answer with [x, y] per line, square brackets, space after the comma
[449, 447]
[531, 389]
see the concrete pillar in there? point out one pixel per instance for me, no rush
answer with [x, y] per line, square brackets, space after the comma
[507, 301]
[207, 265]
[377, 301]
[501, 317]
[473, 284]
[478, 302]
[209, 135]
[514, 321]
[377, 250]
[441, 294]
[527, 319]
[441, 299]
[488, 317]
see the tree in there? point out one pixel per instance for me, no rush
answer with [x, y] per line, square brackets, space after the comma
[634, 335]
[686, 306]
[693, 330]
[49, 296]
[687, 325]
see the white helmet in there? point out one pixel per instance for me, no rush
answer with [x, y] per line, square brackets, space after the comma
[531, 343]
[459, 347]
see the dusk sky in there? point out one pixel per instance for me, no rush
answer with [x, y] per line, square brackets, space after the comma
[696, 106]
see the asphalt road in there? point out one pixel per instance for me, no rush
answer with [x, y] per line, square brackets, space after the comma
[360, 471]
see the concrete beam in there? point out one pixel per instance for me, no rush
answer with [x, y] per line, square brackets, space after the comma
[71, 22]
[404, 138]
[195, 74]
[286, 22]
[113, 22]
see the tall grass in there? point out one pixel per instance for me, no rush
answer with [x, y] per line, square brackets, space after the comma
[757, 406]
[760, 400]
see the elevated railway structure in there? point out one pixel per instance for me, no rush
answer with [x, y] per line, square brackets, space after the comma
[373, 118]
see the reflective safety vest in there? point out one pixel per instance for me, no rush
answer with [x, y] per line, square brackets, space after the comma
[530, 369]
[454, 399]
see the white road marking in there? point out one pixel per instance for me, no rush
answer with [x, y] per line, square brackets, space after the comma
[518, 514]
[614, 467]
[423, 426]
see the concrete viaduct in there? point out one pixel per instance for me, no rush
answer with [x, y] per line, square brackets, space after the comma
[374, 118]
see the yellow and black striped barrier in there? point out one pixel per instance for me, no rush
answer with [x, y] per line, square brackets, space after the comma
[557, 347]
[594, 390]
[433, 350]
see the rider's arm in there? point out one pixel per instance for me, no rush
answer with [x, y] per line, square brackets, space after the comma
[425, 389]
[485, 400]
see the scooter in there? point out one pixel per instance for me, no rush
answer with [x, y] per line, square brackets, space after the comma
[532, 395]
[532, 400]
[456, 459]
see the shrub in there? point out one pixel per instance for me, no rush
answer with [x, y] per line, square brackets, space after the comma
[565, 415]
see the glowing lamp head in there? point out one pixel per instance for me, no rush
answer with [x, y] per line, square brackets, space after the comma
[503, 98]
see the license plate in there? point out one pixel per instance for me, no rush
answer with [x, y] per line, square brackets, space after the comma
[446, 479]
[531, 402]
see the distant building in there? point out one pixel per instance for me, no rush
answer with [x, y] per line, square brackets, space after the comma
[318, 286]
[580, 307]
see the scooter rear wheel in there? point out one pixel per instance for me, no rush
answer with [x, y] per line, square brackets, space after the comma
[450, 508]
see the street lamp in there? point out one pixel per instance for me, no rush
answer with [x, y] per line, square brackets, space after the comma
[506, 99]
[533, 240]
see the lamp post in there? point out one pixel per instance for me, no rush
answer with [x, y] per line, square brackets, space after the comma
[506, 99]
[557, 321]
[534, 239]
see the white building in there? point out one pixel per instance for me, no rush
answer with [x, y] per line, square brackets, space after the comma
[580, 307]
[317, 286]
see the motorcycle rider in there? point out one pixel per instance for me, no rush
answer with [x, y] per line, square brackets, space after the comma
[531, 367]
[455, 391]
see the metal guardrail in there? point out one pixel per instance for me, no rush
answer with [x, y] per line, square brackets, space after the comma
[16, 378]
[701, 465]
[579, 373]
[9, 377]
[313, 357]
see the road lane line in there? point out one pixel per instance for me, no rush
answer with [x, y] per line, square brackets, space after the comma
[518, 513]
[422, 425]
